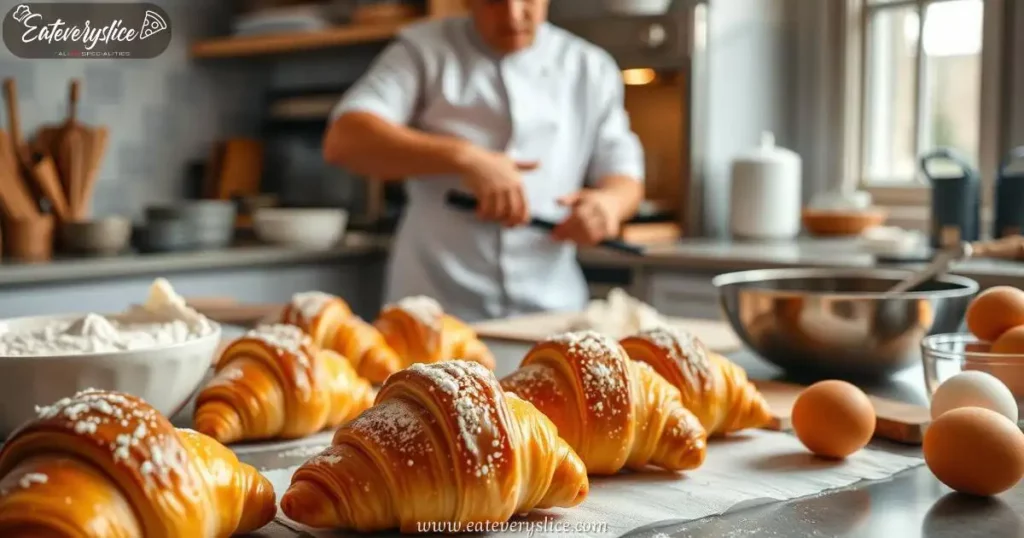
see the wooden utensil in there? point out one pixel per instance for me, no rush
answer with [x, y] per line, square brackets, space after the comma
[1007, 248]
[235, 170]
[73, 151]
[533, 328]
[97, 149]
[22, 154]
[42, 173]
[245, 315]
[48, 180]
[897, 421]
[15, 198]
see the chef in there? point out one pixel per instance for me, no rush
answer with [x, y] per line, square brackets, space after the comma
[523, 115]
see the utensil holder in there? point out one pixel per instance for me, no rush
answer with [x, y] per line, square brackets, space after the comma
[29, 239]
[1010, 197]
[956, 201]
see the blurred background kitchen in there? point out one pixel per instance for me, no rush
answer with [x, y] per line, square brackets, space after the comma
[778, 133]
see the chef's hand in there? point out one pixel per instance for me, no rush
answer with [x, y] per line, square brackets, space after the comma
[596, 216]
[496, 181]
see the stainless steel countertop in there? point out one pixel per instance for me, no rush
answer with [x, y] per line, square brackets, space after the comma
[723, 255]
[695, 255]
[911, 504]
[355, 246]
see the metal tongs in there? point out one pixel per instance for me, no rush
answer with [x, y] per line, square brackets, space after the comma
[1007, 248]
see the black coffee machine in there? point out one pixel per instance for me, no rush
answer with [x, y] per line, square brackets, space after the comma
[1010, 195]
[956, 198]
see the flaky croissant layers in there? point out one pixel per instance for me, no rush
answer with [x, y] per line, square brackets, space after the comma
[419, 331]
[713, 387]
[442, 442]
[275, 382]
[616, 413]
[107, 465]
[329, 321]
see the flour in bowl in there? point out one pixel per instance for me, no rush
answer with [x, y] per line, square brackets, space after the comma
[163, 320]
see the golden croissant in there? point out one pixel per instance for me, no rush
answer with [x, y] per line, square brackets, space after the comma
[274, 382]
[107, 465]
[420, 332]
[442, 443]
[332, 325]
[616, 413]
[713, 387]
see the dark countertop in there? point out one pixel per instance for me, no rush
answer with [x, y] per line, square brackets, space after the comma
[910, 504]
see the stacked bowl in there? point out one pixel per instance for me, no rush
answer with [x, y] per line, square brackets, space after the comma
[202, 224]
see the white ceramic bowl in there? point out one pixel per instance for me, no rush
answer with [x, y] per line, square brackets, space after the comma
[637, 7]
[166, 377]
[305, 228]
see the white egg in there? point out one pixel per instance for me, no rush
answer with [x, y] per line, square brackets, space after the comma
[974, 389]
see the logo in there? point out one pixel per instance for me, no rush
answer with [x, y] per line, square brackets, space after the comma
[87, 30]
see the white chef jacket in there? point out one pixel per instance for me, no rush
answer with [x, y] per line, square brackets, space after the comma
[558, 103]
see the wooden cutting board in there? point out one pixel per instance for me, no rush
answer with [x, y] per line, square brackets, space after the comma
[243, 315]
[533, 328]
[897, 421]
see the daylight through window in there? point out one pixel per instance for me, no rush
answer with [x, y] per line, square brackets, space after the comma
[921, 86]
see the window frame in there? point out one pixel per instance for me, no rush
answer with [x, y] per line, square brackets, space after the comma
[993, 83]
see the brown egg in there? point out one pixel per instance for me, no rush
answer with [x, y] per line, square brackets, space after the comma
[1010, 342]
[975, 451]
[1012, 375]
[1009, 370]
[995, 311]
[977, 347]
[833, 418]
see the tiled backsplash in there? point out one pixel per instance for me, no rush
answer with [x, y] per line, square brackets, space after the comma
[161, 113]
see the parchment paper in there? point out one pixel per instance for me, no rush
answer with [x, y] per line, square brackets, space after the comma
[749, 468]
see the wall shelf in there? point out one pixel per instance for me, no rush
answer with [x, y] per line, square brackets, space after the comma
[264, 45]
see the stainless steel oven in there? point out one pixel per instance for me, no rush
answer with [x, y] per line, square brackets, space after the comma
[663, 62]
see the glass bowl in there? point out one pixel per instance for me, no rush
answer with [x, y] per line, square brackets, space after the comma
[945, 355]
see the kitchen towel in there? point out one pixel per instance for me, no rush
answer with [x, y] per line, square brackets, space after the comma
[744, 469]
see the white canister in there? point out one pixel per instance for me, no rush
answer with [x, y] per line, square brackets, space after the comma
[766, 192]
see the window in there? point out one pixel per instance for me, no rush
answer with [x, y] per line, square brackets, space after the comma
[921, 88]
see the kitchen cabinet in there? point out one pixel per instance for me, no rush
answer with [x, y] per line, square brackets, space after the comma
[339, 36]
[445, 8]
[293, 42]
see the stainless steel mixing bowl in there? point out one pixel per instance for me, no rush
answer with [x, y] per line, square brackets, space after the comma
[827, 322]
